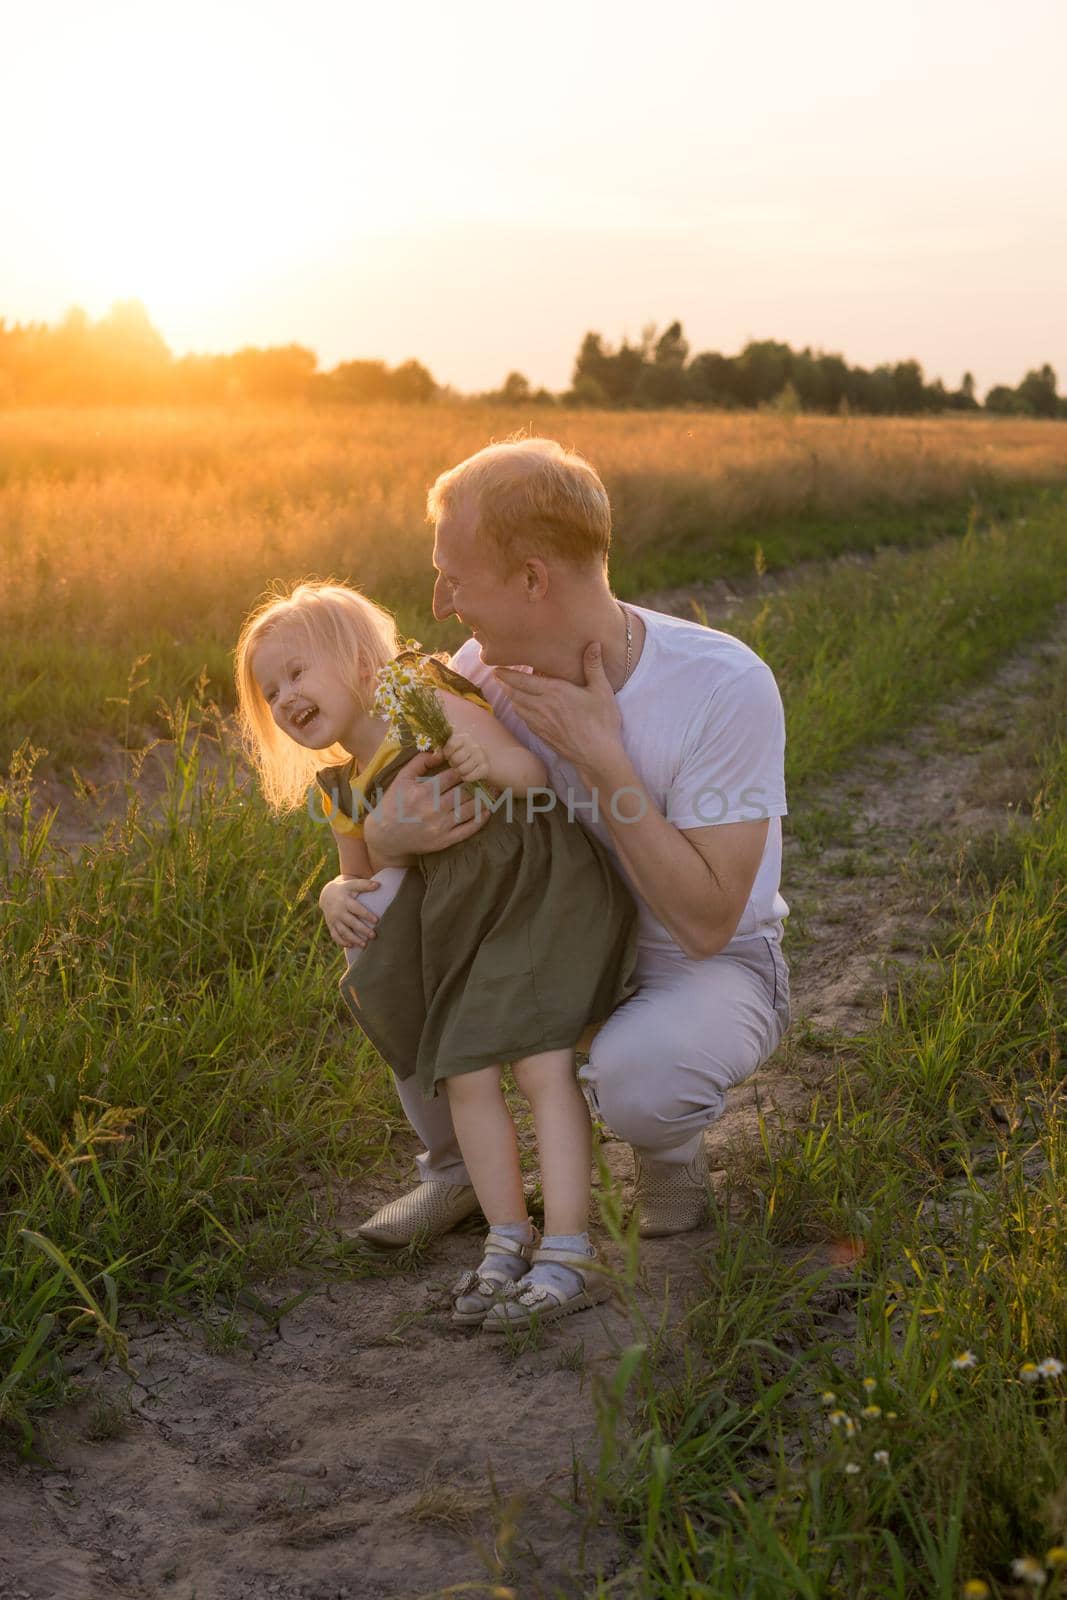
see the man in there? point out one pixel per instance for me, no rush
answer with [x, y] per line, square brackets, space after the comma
[666, 739]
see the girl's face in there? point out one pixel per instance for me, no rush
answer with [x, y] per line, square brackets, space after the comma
[306, 698]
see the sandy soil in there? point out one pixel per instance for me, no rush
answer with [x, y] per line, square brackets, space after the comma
[363, 1447]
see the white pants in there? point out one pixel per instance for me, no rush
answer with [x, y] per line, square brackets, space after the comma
[659, 1068]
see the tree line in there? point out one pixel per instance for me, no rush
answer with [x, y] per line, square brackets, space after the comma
[658, 370]
[122, 359]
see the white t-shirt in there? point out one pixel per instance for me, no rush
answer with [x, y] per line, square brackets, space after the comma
[702, 723]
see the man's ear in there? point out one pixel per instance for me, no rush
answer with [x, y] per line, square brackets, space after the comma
[535, 578]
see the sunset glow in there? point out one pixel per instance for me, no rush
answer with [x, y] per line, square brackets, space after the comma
[478, 185]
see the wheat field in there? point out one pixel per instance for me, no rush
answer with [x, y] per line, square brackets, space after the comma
[117, 520]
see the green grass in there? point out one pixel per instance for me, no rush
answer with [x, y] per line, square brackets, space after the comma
[695, 553]
[728, 1477]
[860, 653]
[179, 1088]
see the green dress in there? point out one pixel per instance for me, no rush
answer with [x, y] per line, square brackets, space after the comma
[505, 945]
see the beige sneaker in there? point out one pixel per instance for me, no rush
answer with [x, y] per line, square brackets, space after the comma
[424, 1212]
[670, 1198]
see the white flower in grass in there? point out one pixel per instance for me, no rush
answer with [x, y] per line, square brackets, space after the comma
[881, 1458]
[828, 1397]
[1050, 1367]
[1028, 1372]
[852, 1468]
[836, 1418]
[975, 1589]
[870, 1412]
[1029, 1570]
[1056, 1558]
[965, 1359]
[870, 1384]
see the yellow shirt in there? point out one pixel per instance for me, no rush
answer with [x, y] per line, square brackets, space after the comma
[362, 783]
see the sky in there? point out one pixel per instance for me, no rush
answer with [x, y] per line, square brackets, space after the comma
[477, 185]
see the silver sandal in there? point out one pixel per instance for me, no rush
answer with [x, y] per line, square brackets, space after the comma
[482, 1286]
[524, 1304]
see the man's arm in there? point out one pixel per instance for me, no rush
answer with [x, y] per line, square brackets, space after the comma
[695, 880]
[424, 809]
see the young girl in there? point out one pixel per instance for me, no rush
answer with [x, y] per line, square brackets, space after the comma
[499, 949]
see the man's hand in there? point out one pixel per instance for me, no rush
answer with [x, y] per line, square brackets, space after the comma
[581, 724]
[348, 922]
[424, 809]
[465, 756]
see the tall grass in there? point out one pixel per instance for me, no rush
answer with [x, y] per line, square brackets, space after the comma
[128, 533]
[107, 506]
[178, 1091]
[859, 652]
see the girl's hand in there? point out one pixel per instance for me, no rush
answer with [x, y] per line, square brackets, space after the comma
[348, 922]
[466, 757]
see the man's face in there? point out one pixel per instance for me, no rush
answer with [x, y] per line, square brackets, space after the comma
[471, 586]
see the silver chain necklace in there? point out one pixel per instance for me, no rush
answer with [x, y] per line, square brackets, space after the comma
[629, 642]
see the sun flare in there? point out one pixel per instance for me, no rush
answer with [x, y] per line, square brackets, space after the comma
[193, 185]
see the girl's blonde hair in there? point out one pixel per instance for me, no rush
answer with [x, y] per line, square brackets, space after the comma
[335, 626]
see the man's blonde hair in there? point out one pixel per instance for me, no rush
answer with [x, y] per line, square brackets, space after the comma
[332, 624]
[529, 497]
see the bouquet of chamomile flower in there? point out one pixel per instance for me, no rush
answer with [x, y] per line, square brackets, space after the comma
[407, 698]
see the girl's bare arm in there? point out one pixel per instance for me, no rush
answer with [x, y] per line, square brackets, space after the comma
[348, 922]
[482, 748]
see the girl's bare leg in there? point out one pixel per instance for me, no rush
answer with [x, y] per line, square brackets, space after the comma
[485, 1133]
[564, 1138]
